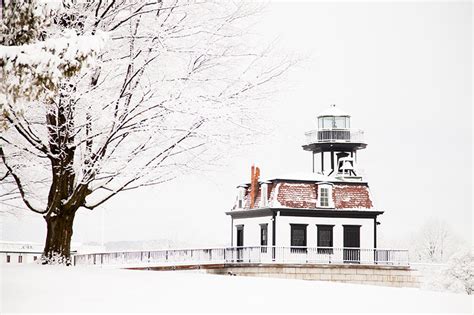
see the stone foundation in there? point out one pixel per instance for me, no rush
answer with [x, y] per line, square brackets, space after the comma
[394, 276]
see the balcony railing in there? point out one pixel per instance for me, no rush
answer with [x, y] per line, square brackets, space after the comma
[334, 135]
[249, 254]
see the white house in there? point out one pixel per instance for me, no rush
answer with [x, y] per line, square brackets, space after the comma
[19, 252]
[328, 208]
[29, 252]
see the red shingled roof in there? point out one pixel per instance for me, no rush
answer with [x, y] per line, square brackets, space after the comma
[303, 195]
[297, 195]
[351, 196]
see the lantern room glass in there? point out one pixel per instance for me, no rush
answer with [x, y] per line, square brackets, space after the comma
[334, 122]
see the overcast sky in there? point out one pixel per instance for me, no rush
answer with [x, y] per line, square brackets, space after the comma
[404, 73]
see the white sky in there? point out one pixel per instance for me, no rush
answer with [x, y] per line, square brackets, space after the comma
[404, 72]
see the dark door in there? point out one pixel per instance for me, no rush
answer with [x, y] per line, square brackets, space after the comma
[240, 242]
[352, 243]
[240, 236]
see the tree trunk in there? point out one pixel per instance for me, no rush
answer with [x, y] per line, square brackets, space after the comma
[58, 239]
[60, 215]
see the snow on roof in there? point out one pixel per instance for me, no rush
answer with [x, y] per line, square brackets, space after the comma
[299, 176]
[299, 191]
[333, 111]
[302, 176]
[28, 246]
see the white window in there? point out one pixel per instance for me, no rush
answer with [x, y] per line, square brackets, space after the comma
[264, 194]
[241, 197]
[340, 123]
[328, 122]
[325, 196]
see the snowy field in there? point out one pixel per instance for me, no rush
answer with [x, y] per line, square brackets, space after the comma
[46, 289]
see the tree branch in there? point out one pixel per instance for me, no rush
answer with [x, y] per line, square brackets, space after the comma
[19, 185]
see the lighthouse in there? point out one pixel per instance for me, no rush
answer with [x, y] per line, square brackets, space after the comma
[327, 211]
[335, 145]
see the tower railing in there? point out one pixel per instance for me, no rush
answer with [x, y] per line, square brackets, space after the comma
[334, 135]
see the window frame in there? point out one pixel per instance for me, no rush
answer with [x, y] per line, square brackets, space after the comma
[330, 201]
[264, 194]
[241, 197]
[328, 122]
[239, 227]
[324, 197]
[325, 249]
[299, 248]
[340, 122]
[264, 240]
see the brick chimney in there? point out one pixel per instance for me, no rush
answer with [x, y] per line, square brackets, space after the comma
[255, 175]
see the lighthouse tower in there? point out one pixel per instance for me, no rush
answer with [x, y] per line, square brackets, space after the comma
[334, 145]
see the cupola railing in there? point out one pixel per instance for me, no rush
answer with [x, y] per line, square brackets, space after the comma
[334, 135]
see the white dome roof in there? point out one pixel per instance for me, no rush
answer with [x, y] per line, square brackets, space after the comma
[333, 111]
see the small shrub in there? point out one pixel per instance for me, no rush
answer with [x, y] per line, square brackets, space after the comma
[459, 274]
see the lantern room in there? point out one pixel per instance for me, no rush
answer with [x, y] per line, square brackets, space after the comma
[334, 118]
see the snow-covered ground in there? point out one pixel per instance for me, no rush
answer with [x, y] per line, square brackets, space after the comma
[35, 288]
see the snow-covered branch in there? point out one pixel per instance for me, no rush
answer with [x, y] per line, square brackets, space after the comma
[177, 85]
[19, 185]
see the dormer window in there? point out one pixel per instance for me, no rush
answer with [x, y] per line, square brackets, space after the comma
[240, 197]
[325, 196]
[264, 201]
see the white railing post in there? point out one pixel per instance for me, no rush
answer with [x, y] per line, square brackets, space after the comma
[334, 135]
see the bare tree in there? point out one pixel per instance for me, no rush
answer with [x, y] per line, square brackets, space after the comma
[434, 242]
[178, 79]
